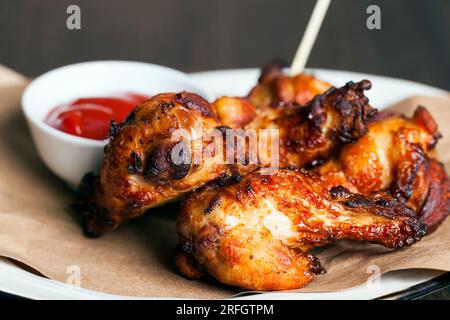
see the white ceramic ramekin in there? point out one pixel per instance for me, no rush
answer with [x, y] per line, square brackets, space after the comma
[68, 156]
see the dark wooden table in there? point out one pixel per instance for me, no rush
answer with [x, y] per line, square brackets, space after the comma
[413, 43]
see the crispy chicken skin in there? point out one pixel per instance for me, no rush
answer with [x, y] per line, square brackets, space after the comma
[306, 133]
[257, 234]
[138, 173]
[436, 206]
[315, 131]
[396, 155]
[277, 89]
[386, 188]
[274, 90]
[234, 112]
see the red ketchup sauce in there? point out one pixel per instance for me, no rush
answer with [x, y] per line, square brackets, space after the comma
[91, 117]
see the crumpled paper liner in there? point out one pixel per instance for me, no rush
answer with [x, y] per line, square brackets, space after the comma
[38, 229]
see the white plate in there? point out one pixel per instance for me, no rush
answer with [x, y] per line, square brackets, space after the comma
[385, 91]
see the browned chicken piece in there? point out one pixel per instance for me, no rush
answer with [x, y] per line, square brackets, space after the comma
[234, 112]
[257, 234]
[386, 188]
[276, 89]
[306, 133]
[396, 155]
[138, 172]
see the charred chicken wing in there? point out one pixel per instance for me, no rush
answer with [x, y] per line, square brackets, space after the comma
[138, 171]
[396, 155]
[305, 133]
[257, 234]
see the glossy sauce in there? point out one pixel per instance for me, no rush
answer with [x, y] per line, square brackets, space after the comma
[91, 117]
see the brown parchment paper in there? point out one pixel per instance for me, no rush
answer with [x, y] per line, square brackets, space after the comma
[38, 229]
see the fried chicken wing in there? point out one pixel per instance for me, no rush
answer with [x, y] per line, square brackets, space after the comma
[305, 133]
[274, 90]
[385, 188]
[395, 155]
[257, 234]
[138, 171]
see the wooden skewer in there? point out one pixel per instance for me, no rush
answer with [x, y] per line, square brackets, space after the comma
[309, 37]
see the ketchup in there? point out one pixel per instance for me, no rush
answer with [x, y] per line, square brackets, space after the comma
[91, 117]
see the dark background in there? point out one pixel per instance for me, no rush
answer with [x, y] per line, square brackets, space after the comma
[414, 42]
[195, 35]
